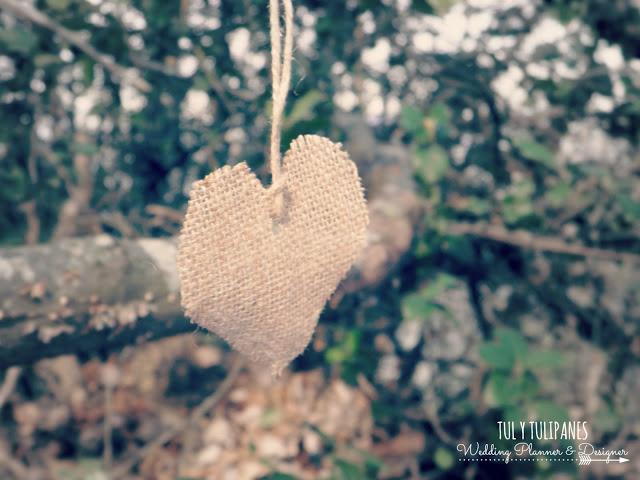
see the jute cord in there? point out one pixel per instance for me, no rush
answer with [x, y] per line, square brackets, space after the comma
[281, 78]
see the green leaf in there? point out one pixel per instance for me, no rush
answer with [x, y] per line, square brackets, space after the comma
[606, 420]
[432, 163]
[535, 151]
[565, 11]
[513, 340]
[443, 458]
[461, 249]
[507, 347]
[303, 108]
[58, 4]
[270, 417]
[497, 355]
[346, 350]
[543, 359]
[525, 386]
[44, 60]
[439, 113]
[335, 355]
[415, 307]
[279, 476]
[558, 194]
[514, 212]
[13, 184]
[347, 471]
[411, 120]
[436, 287]
[88, 149]
[352, 341]
[83, 468]
[629, 205]
[498, 391]
[472, 204]
[422, 6]
[436, 121]
[372, 464]
[19, 40]
[88, 72]
[518, 204]
[419, 305]
[547, 410]
[522, 190]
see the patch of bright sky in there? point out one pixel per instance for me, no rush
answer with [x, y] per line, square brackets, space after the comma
[373, 100]
[131, 99]
[202, 15]
[187, 65]
[609, 55]
[447, 34]
[377, 57]
[44, 128]
[84, 118]
[547, 31]
[587, 142]
[132, 18]
[98, 19]
[7, 68]
[136, 42]
[197, 106]
[599, 103]
[527, 6]
[239, 41]
[569, 64]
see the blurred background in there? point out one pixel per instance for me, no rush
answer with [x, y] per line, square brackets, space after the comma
[498, 144]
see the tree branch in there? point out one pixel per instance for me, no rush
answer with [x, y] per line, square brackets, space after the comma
[26, 11]
[527, 240]
[86, 296]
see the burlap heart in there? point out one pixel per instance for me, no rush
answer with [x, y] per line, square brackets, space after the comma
[261, 282]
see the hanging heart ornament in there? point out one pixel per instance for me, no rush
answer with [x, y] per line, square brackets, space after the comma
[260, 280]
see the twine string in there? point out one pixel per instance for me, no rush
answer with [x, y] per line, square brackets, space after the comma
[281, 78]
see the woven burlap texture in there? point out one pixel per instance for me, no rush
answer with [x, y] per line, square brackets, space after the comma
[261, 283]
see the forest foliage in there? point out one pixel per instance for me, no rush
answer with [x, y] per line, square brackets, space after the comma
[519, 116]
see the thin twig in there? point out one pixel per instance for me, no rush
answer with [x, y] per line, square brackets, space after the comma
[50, 156]
[212, 79]
[29, 209]
[27, 12]
[13, 465]
[80, 193]
[9, 384]
[207, 404]
[165, 212]
[107, 449]
[527, 240]
[119, 222]
[213, 399]
[434, 420]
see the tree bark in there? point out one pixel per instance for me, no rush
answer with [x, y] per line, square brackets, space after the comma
[86, 296]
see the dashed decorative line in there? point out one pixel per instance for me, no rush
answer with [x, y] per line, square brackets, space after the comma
[536, 459]
[583, 459]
